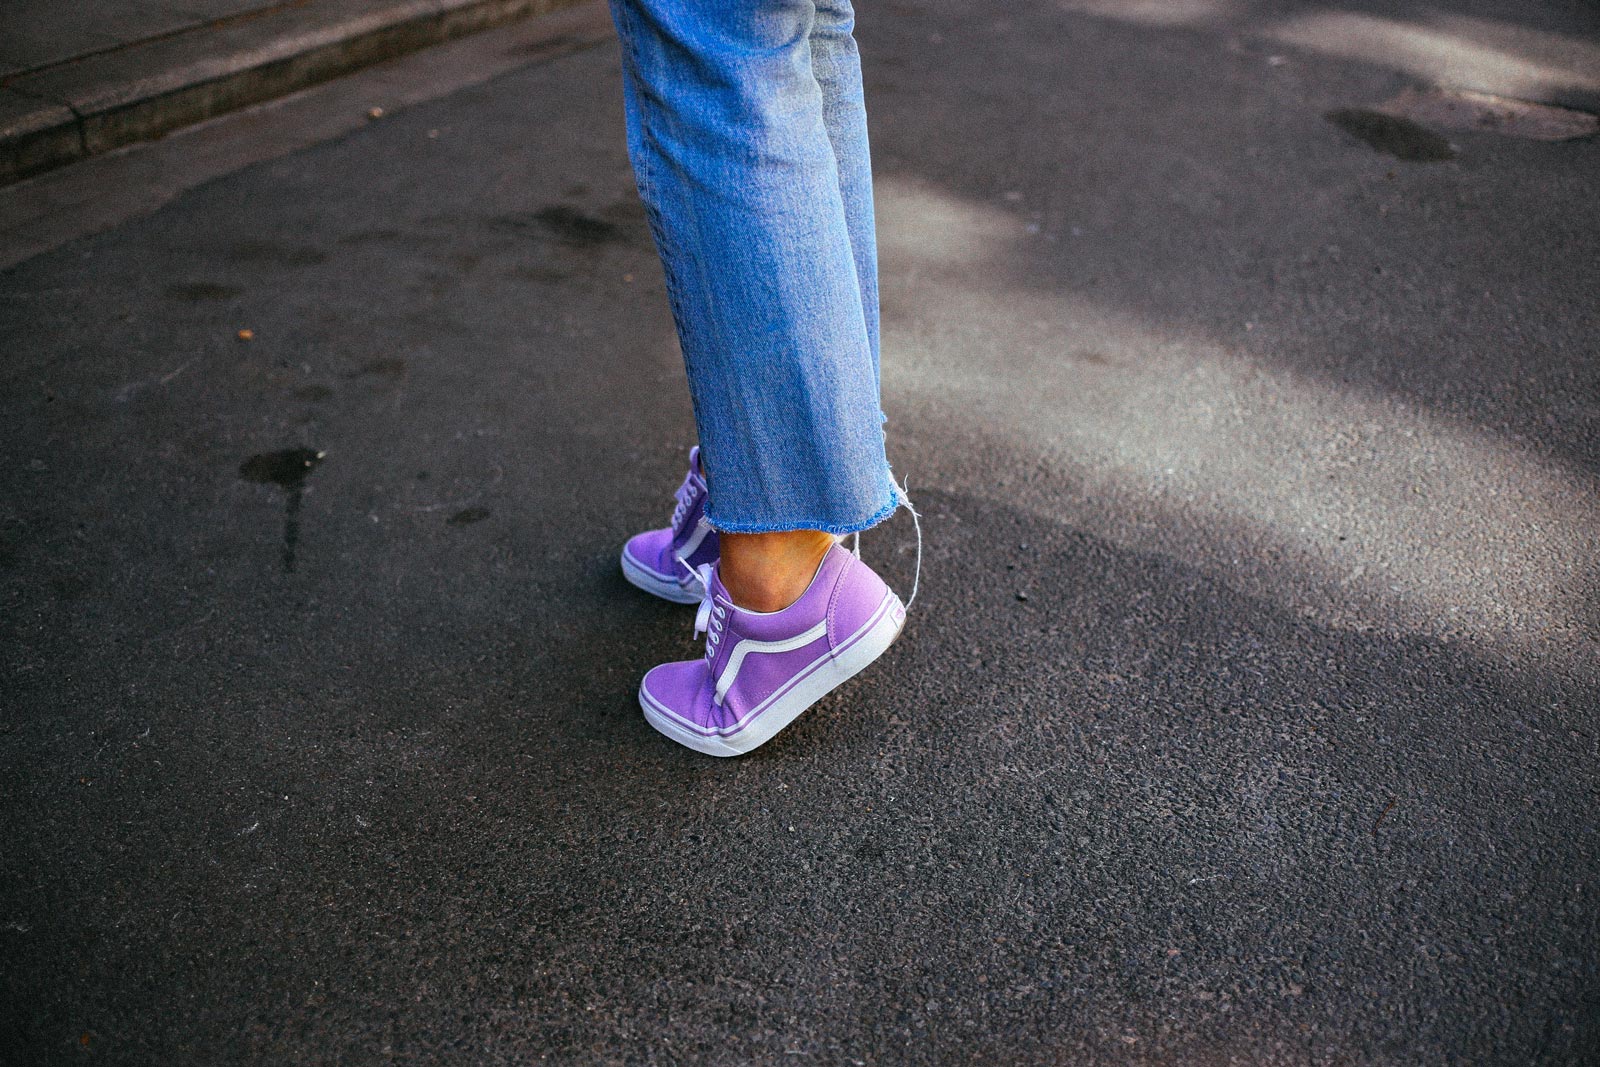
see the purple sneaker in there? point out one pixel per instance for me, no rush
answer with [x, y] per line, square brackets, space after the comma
[665, 562]
[762, 669]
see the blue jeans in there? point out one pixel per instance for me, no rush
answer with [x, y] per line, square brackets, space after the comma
[748, 137]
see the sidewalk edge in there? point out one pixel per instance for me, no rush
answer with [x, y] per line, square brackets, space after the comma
[86, 107]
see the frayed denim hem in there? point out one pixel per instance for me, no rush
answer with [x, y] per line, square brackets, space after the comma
[897, 499]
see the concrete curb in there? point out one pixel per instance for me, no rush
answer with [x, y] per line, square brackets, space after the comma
[58, 114]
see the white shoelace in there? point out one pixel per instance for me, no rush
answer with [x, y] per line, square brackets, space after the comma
[712, 617]
[916, 521]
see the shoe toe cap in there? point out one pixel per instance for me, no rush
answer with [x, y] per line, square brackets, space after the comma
[652, 550]
[682, 690]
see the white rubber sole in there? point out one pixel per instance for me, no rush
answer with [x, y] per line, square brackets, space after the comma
[653, 583]
[831, 671]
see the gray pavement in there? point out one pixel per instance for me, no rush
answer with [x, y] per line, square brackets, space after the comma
[84, 78]
[43, 33]
[1248, 714]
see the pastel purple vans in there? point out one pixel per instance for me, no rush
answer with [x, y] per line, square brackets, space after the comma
[762, 669]
[665, 562]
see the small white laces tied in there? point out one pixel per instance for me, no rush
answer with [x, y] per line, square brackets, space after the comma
[686, 565]
[709, 620]
[702, 617]
[685, 496]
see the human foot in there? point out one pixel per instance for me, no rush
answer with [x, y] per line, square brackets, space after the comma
[762, 669]
[769, 571]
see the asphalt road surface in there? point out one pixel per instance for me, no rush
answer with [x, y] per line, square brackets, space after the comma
[1248, 713]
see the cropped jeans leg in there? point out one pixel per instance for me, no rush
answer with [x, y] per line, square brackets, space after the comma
[747, 135]
[836, 65]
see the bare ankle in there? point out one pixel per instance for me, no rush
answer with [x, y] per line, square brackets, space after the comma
[769, 571]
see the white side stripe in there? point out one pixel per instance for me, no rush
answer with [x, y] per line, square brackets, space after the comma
[700, 530]
[748, 645]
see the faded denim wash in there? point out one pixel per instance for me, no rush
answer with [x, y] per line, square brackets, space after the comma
[747, 133]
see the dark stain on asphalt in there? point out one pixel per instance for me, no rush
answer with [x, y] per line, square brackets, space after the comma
[313, 392]
[1398, 137]
[274, 254]
[572, 227]
[286, 469]
[379, 368]
[467, 516]
[198, 292]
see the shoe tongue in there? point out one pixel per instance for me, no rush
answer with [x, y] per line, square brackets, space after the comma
[694, 461]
